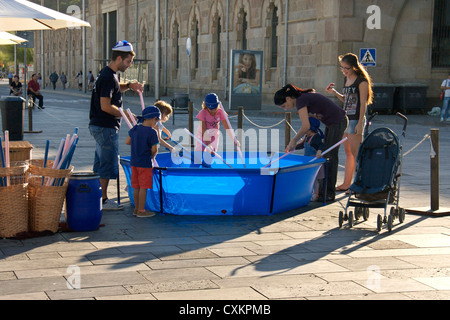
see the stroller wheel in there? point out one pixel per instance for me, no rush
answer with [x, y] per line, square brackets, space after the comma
[401, 215]
[341, 219]
[366, 214]
[350, 219]
[390, 222]
[392, 211]
[358, 213]
[379, 222]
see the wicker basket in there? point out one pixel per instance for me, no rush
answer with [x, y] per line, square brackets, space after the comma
[13, 200]
[46, 193]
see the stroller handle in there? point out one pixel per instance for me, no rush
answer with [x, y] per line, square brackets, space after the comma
[405, 119]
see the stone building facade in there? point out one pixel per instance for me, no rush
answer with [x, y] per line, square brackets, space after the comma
[305, 54]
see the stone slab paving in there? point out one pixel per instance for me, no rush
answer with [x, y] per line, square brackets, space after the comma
[300, 255]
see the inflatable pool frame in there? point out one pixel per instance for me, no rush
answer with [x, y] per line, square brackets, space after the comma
[193, 189]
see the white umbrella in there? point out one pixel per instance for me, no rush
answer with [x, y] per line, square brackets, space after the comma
[24, 15]
[8, 38]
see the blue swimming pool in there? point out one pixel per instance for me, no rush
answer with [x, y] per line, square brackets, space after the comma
[182, 188]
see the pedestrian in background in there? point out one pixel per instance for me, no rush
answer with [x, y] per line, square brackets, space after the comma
[445, 86]
[63, 79]
[54, 78]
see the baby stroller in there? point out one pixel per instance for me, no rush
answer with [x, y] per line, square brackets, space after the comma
[377, 179]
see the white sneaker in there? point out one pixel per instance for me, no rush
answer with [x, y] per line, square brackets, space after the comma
[110, 205]
[442, 119]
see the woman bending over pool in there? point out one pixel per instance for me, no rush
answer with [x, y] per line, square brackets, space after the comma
[309, 103]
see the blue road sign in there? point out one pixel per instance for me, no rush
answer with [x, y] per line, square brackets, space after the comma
[368, 57]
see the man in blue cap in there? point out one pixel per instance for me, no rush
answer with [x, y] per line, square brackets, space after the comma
[105, 117]
[144, 140]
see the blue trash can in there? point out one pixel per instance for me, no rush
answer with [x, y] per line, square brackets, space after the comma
[84, 202]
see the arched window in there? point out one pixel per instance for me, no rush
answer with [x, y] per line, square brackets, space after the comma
[242, 27]
[216, 48]
[175, 44]
[244, 31]
[274, 38]
[196, 39]
[219, 48]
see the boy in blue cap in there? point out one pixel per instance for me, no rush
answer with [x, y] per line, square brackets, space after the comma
[144, 141]
[314, 146]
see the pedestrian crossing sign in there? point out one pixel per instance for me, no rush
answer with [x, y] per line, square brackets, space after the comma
[368, 57]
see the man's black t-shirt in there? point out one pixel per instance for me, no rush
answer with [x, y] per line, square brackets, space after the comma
[105, 86]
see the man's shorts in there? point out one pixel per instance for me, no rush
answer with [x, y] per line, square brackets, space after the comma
[141, 178]
[106, 162]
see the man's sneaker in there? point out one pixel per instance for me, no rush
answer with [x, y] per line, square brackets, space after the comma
[144, 214]
[111, 205]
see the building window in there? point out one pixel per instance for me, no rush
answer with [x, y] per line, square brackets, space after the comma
[274, 38]
[219, 49]
[196, 34]
[109, 33]
[176, 45]
[244, 31]
[441, 34]
[242, 27]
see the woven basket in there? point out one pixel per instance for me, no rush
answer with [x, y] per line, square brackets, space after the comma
[13, 200]
[46, 193]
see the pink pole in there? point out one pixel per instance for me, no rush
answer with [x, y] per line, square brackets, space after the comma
[126, 118]
[212, 151]
[331, 148]
[131, 116]
[278, 159]
[142, 99]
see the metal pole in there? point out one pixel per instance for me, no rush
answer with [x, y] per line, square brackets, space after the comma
[285, 41]
[84, 47]
[165, 48]
[157, 48]
[42, 71]
[25, 70]
[136, 26]
[226, 51]
[434, 169]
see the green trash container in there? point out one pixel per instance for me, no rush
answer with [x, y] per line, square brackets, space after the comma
[411, 96]
[12, 111]
[383, 99]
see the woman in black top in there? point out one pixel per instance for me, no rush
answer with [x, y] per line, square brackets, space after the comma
[357, 95]
[16, 87]
[309, 103]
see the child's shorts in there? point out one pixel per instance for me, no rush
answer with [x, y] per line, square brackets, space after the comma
[141, 178]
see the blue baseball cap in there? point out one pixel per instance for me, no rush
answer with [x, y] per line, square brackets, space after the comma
[212, 100]
[124, 46]
[314, 125]
[150, 113]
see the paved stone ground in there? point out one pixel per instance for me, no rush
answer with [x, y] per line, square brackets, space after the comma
[301, 254]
